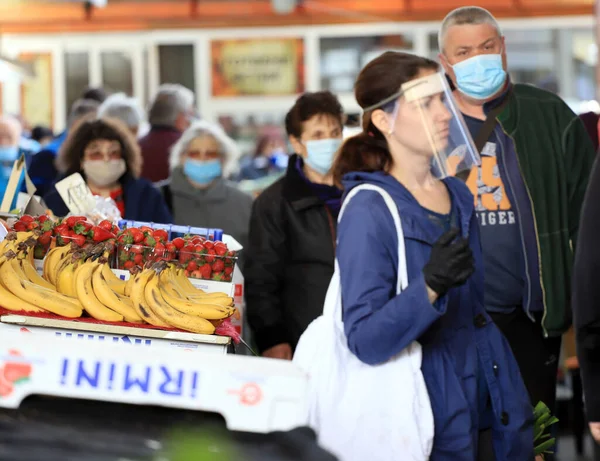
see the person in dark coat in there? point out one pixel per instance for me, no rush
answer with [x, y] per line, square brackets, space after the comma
[472, 377]
[105, 153]
[586, 304]
[169, 116]
[289, 259]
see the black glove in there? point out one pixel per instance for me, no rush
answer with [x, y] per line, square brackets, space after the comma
[451, 263]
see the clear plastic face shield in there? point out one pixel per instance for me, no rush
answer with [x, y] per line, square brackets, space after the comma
[424, 117]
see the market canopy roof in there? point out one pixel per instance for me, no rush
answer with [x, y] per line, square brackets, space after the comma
[46, 16]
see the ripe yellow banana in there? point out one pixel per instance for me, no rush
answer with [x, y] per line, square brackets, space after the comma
[138, 297]
[66, 281]
[32, 274]
[182, 285]
[172, 316]
[110, 276]
[13, 303]
[49, 300]
[51, 261]
[87, 297]
[204, 309]
[110, 299]
[129, 284]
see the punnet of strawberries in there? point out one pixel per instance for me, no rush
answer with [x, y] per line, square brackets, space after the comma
[136, 246]
[205, 259]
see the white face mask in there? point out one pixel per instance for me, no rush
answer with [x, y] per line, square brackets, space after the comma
[102, 173]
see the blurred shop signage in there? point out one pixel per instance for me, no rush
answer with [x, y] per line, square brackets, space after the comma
[254, 67]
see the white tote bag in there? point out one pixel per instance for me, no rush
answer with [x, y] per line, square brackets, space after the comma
[363, 412]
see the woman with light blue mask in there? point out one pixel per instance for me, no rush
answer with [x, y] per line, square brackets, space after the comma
[197, 191]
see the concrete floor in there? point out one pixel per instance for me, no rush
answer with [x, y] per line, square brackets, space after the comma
[566, 450]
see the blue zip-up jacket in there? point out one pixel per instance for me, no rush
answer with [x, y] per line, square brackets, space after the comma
[459, 340]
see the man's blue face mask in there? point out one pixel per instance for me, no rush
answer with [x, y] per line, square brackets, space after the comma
[480, 77]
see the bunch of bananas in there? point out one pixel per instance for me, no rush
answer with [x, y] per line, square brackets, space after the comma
[22, 289]
[74, 281]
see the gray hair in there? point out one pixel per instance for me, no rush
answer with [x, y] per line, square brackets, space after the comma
[170, 101]
[81, 108]
[466, 15]
[123, 108]
[229, 149]
[14, 125]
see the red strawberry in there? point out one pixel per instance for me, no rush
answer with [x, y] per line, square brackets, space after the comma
[199, 248]
[128, 265]
[71, 221]
[208, 244]
[218, 265]
[179, 243]
[78, 239]
[44, 239]
[33, 225]
[210, 255]
[220, 249]
[159, 250]
[137, 249]
[106, 225]
[187, 273]
[205, 271]
[171, 248]
[20, 227]
[192, 266]
[136, 234]
[160, 235]
[138, 260]
[228, 271]
[100, 234]
[26, 219]
[42, 218]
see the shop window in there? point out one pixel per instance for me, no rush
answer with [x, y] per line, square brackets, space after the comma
[342, 58]
[117, 72]
[176, 65]
[76, 76]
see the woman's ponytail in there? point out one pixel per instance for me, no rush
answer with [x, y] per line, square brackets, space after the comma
[366, 151]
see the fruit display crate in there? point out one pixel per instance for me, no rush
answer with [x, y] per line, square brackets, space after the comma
[86, 330]
[251, 394]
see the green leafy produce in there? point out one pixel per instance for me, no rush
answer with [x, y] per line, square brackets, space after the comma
[543, 420]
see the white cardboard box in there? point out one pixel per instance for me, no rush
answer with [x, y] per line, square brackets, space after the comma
[144, 338]
[252, 394]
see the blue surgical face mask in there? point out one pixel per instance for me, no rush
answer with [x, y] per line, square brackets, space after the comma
[8, 153]
[480, 77]
[320, 154]
[202, 171]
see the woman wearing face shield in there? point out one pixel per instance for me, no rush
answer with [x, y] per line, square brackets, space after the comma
[198, 192]
[106, 154]
[409, 124]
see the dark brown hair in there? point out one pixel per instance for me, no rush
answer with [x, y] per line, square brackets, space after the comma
[310, 104]
[380, 79]
[89, 129]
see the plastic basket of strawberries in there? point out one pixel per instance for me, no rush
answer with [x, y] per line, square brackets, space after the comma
[205, 259]
[136, 246]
